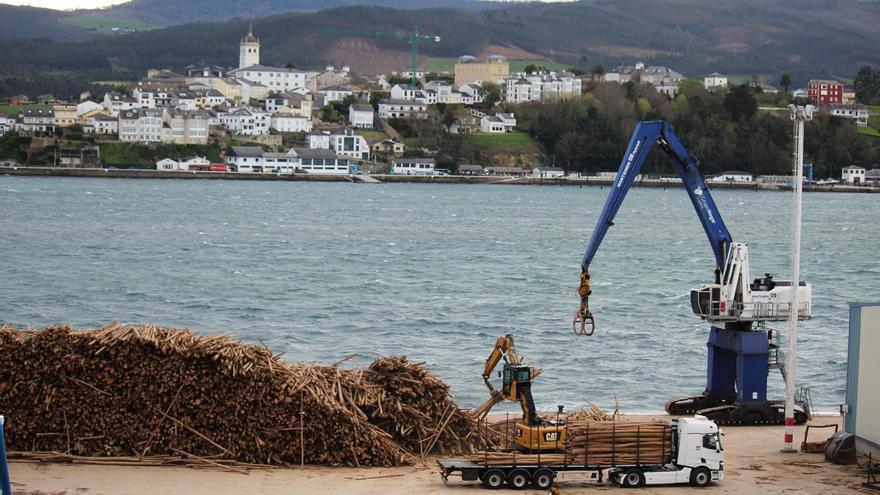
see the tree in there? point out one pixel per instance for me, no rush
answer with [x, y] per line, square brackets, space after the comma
[576, 71]
[376, 96]
[739, 103]
[289, 65]
[867, 85]
[599, 70]
[530, 68]
[492, 94]
[785, 82]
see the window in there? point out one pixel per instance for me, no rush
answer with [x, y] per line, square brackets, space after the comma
[711, 441]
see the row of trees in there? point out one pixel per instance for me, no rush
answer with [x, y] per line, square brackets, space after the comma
[723, 130]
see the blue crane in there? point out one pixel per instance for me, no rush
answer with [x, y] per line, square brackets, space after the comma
[5, 483]
[739, 352]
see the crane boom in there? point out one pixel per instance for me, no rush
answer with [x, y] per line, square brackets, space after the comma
[644, 137]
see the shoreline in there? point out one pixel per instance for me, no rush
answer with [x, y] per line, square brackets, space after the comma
[388, 179]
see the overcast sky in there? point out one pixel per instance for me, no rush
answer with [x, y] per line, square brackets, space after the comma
[64, 4]
[89, 4]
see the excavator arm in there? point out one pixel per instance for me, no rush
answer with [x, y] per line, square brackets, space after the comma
[644, 137]
[503, 350]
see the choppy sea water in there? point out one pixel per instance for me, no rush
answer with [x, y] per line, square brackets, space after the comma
[436, 272]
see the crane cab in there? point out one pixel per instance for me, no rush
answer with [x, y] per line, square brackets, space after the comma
[737, 298]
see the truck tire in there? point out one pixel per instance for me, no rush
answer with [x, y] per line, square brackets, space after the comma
[632, 478]
[543, 479]
[701, 477]
[493, 479]
[518, 479]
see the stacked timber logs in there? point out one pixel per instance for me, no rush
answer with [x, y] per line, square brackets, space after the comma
[595, 443]
[148, 393]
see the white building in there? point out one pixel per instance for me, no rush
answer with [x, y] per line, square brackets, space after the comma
[361, 115]
[249, 50]
[346, 143]
[289, 102]
[404, 92]
[35, 121]
[115, 103]
[102, 125]
[733, 176]
[525, 87]
[653, 75]
[548, 172]
[248, 121]
[194, 162]
[252, 159]
[853, 175]
[186, 127]
[146, 98]
[856, 113]
[86, 109]
[412, 166]
[285, 122]
[402, 109]
[141, 125]
[335, 93]
[248, 159]
[4, 123]
[498, 123]
[275, 79]
[714, 81]
[167, 164]
[321, 161]
[183, 100]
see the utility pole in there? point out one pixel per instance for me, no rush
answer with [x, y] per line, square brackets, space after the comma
[799, 115]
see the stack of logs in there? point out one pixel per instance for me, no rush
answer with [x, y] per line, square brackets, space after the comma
[596, 443]
[146, 392]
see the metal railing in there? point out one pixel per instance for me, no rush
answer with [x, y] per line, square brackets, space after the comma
[754, 311]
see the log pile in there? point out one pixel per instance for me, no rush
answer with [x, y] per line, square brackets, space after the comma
[151, 393]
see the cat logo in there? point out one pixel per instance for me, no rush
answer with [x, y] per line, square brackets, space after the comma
[551, 436]
[519, 432]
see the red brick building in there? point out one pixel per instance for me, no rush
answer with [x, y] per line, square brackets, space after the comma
[825, 92]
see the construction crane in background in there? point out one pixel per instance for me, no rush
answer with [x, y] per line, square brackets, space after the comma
[413, 37]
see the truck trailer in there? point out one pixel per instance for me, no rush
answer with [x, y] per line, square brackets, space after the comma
[683, 451]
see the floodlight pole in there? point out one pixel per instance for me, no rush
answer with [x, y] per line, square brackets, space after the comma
[799, 115]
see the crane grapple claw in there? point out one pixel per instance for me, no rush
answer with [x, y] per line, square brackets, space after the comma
[583, 323]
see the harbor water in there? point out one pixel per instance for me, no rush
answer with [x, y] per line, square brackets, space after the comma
[436, 272]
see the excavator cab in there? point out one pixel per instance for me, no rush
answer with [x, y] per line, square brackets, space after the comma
[514, 378]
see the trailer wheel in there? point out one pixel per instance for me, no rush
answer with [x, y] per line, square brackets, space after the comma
[632, 478]
[493, 479]
[543, 479]
[701, 477]
[518, 479]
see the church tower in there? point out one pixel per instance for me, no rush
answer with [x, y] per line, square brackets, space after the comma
[249, 49]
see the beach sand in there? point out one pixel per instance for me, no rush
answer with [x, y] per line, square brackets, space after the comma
[754, 464]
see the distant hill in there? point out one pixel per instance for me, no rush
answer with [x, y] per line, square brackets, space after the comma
[174, 12]
[805, 38]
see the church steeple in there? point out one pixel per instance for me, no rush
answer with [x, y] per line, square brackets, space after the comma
[249, 49]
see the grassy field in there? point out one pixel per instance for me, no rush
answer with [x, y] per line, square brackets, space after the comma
[132, 155]
[9, 109]
[518, 139]
[441, 64]
[107, 23]
[869, 131]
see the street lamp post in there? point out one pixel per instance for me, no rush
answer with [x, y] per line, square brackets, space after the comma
[799, 114]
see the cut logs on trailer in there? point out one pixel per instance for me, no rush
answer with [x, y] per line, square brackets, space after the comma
[595, 443]
[159, 394]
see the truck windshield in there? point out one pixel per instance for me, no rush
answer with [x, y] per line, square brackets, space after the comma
[711, 441]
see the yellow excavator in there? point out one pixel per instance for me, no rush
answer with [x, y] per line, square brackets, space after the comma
[533, 433]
